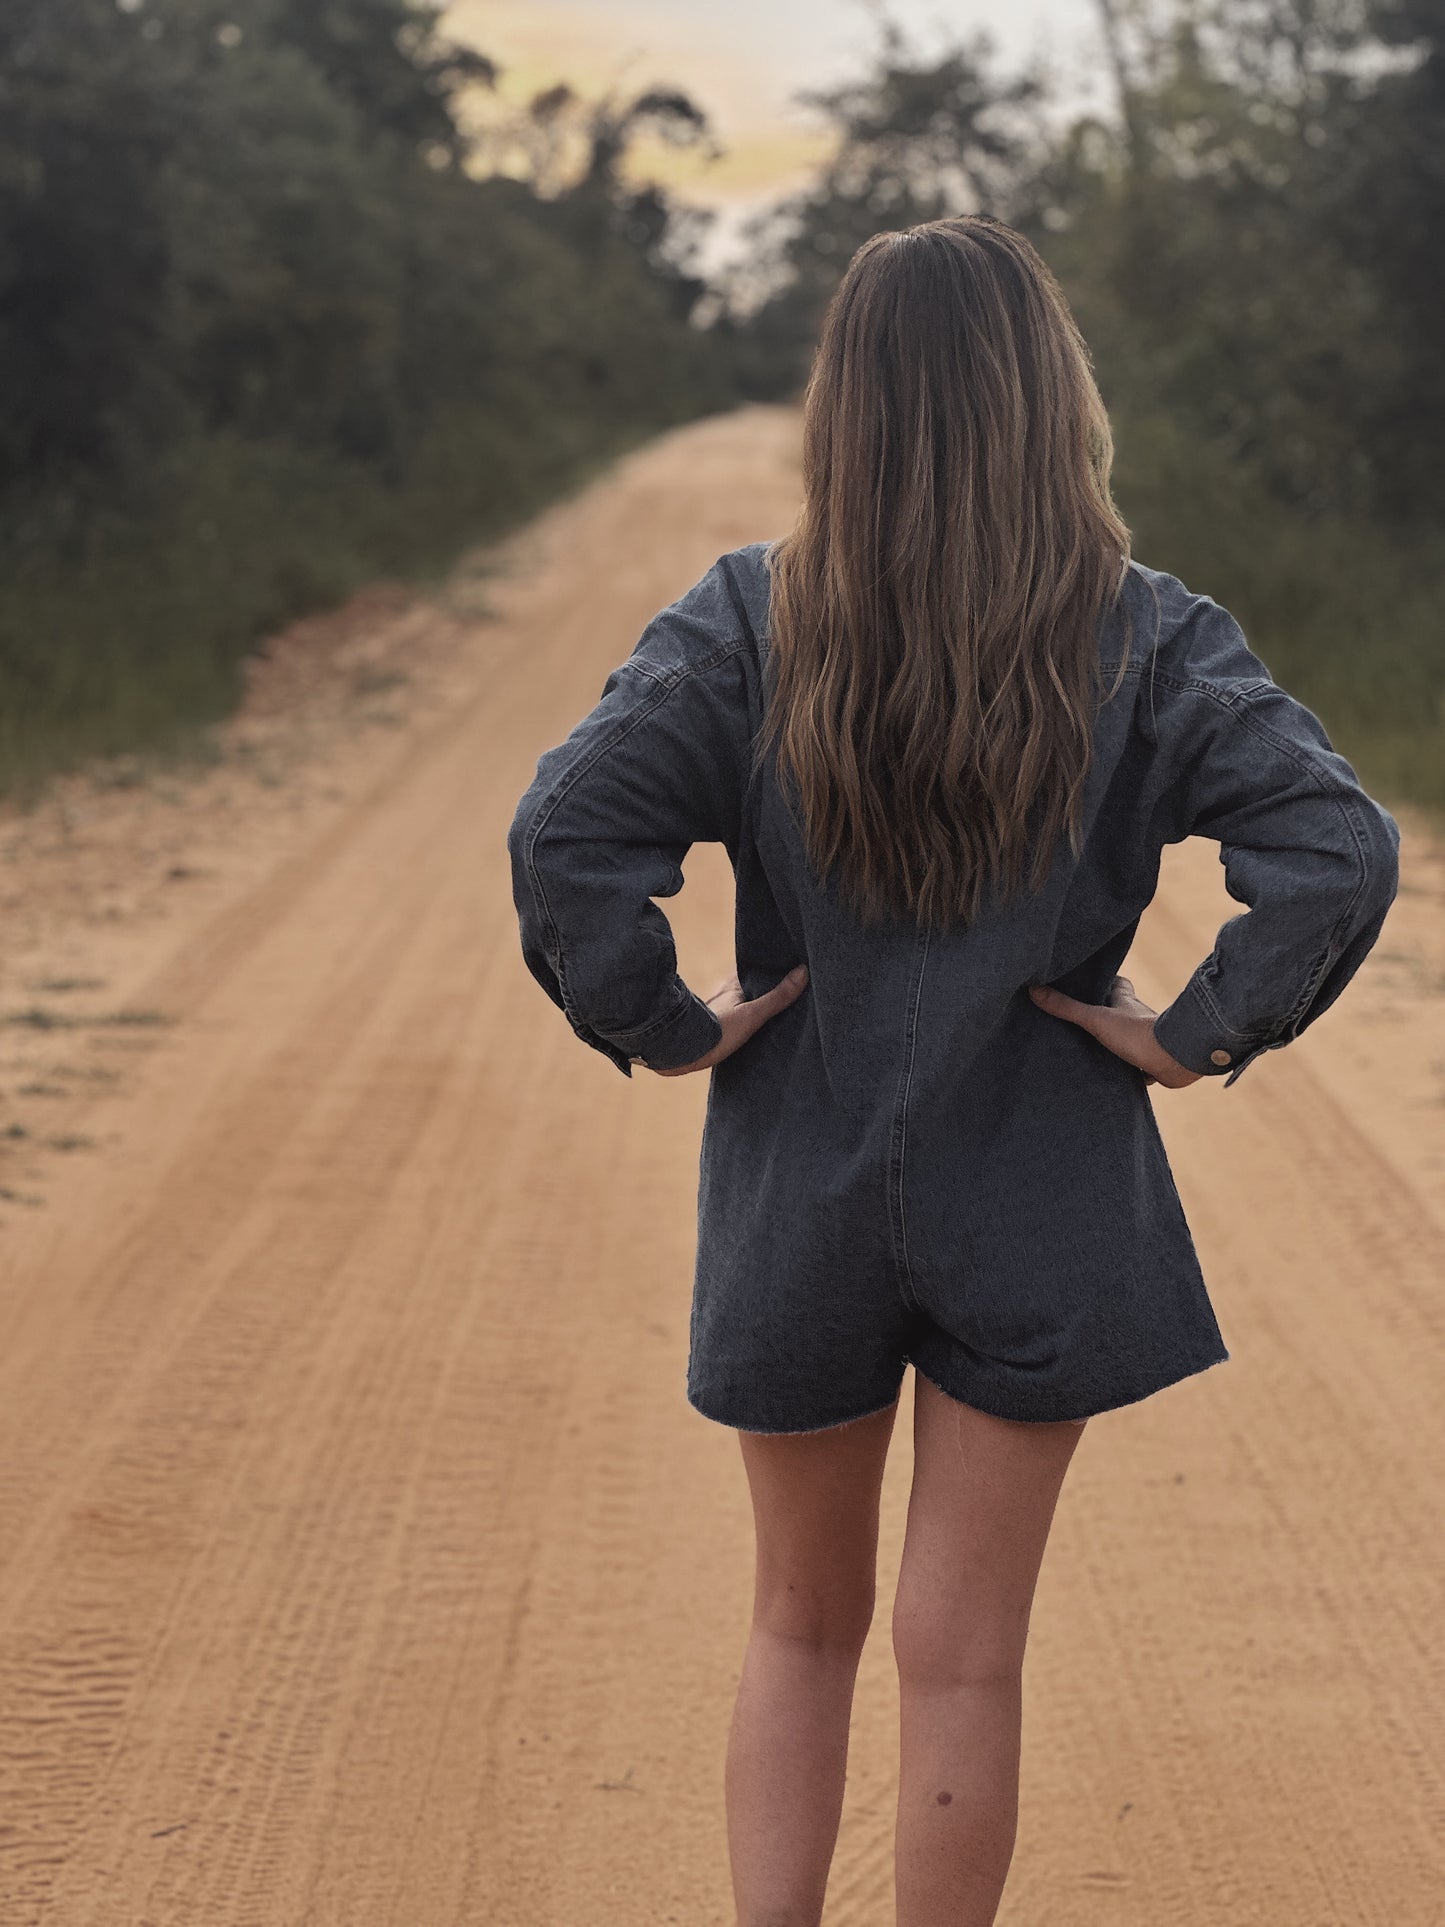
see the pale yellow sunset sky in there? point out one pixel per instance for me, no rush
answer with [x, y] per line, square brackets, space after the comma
[742, 60]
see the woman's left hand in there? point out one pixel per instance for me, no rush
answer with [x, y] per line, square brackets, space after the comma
[1125, 1025]
[742, 1017]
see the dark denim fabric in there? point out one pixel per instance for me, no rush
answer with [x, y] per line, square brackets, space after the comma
[913, 1161]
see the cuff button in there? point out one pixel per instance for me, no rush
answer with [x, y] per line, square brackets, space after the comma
[1220, 1057]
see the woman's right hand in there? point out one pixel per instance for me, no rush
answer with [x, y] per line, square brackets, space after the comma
[742, 1017]
[1125, 1025]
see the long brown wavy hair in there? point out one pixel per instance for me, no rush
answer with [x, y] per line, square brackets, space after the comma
[935, 613]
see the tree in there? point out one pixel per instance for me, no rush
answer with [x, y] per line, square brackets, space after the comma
[914, 139]
[89, 117]
[390, 61]
[1389, 216]
[575, 152]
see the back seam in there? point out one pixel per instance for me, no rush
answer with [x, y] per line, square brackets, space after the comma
[897, 1209]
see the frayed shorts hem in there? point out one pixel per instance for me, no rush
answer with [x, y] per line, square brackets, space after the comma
[993, 1400]
[997, 1403]
[794, 1431]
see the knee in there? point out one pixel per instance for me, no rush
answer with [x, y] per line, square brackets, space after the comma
[820, 1619]
[940, 1646]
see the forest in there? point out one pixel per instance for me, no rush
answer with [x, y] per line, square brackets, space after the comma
[275, 321]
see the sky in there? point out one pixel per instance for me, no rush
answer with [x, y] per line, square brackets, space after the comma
[743, 60]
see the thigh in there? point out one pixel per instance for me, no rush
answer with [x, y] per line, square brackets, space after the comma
[983, 1498]
[815, 1509]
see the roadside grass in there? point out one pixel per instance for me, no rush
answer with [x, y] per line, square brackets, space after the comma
[124, 624]
[1344, 613]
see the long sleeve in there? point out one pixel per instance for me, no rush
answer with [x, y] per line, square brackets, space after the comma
[602, 831]
[1311, 855]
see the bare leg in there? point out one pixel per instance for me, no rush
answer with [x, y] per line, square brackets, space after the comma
[815, 1507]
[984, 1491]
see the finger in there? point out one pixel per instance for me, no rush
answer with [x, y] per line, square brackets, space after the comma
[1128, 1033]
[685, 1070]
[1125, 999]
[1086, 1016]
[786, 991]
[749, 1016]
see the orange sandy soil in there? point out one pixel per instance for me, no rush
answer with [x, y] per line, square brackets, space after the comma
[364, 1565]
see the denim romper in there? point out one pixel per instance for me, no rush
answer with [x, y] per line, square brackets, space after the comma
[912, 1161]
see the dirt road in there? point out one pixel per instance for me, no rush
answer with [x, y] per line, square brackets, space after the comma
[363, 1563]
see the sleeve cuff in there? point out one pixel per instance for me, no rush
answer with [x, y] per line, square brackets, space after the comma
[688, 1032]
[1194, 1036]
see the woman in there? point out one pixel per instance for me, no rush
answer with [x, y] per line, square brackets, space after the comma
[944, 730]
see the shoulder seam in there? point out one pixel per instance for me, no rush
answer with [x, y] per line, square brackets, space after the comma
[739, 601]
[670, 679]
[1236, 702]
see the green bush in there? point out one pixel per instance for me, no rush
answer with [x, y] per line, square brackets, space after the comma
[1344, 612]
